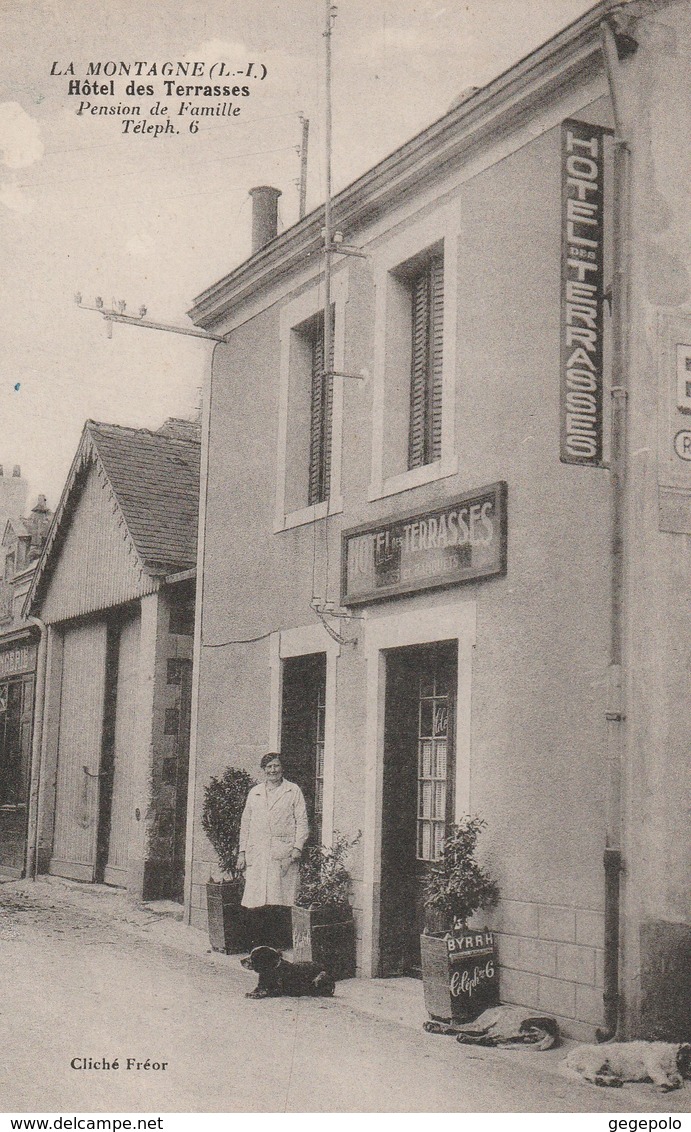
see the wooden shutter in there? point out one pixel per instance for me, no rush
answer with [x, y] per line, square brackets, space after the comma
[321, 415]
[436, 356]
[316, 417]
[427, 317]
[418, 376]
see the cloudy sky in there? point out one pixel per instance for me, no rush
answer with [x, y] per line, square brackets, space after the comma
[85, 207]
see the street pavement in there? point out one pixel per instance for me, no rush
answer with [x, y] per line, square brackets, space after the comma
[89, 977]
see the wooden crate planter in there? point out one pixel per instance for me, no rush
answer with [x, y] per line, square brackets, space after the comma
[327, 937]
[227, 920]
[460, 974]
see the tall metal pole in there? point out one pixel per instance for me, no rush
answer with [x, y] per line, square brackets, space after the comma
[304, 146]
[614, 1002]
[328, 366]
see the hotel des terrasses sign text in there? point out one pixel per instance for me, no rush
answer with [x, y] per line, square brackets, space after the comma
[459, 542]
[582, 318]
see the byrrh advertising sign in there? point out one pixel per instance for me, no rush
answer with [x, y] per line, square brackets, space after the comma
[459, 542]
[582, 287]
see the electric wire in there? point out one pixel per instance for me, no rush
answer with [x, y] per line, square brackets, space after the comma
[50, 184]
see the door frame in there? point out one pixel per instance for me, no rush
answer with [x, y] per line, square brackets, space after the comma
[301, 641]
[448, 621]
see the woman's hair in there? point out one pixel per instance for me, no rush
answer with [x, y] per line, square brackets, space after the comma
[266, 759]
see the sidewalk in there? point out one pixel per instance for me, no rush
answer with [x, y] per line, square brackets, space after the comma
[398, 1001]
[138, 963]
[161, 922]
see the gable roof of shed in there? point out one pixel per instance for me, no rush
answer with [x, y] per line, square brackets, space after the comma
[154, 484]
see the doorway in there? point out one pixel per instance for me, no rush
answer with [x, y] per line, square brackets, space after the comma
[303, 720]
[117, 766]
[418, 791]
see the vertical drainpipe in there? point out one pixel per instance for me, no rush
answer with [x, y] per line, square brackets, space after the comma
[615, 709]
[33, 826]
[191, 826]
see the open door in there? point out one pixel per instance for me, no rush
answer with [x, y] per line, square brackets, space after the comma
[417, 794]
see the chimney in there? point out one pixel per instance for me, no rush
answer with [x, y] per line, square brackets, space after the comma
[264, 215]
[37, 525]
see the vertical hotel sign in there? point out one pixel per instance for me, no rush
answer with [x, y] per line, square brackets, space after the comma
[582, 228]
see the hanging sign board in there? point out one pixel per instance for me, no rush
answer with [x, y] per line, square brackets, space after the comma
[459, 542]
[17, 659]
[582, 285]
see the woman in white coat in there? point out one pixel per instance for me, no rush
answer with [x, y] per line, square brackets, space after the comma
[273, 832]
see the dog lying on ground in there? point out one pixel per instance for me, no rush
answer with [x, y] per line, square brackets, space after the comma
[666, 1064]
[279, 977]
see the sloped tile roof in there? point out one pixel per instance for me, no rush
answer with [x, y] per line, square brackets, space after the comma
[155, 478]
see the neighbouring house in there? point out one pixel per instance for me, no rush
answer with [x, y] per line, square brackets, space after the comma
[13, 494]
[446, 569]
[114, 589]
[22, 542]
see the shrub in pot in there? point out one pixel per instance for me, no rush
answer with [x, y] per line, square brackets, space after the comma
[323, 927]
[459, 967]
[224, 801]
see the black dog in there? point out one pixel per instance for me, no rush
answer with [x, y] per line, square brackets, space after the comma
[279, 977]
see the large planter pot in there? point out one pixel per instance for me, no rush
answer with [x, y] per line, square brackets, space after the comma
[227, 921]
[325, 936]
[460, 974]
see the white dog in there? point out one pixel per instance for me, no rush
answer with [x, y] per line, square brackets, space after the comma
[666, 1064]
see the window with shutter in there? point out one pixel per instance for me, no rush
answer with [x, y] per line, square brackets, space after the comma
[321, 416]
[427, 320]
[310, 408]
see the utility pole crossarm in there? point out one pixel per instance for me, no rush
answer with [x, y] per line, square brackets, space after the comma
[134, 320]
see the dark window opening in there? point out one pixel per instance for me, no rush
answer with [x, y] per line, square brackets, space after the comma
[174, 671]
[181, 610]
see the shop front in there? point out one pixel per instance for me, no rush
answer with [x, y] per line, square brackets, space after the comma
[17, 684]
[418, 689]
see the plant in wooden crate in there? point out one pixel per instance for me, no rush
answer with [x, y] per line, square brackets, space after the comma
[459, 969]
[224, 801]
[323, 927]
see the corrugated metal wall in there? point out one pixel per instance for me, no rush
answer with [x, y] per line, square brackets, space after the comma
[97, 566]
[79, 746]
[123, 754]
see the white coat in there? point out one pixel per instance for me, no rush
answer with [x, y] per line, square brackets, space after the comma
[274, 822]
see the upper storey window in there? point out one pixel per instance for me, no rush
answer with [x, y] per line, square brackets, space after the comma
[427, 349]
[321, 411]
[414, 372]
[310, 411]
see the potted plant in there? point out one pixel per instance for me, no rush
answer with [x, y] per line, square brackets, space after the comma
[224, 801]
[323, 927]
[459, 965]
